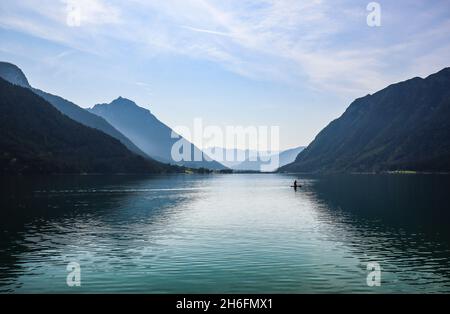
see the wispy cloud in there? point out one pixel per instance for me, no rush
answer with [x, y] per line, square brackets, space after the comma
[92, 12]
[318, 44]
[207, 31]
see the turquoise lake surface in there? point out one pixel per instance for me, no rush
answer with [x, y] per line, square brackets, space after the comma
[239, 233]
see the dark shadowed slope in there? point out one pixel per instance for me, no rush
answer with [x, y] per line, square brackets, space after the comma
[14, 75]
[37, 138]
[147, 132]
[405, 126]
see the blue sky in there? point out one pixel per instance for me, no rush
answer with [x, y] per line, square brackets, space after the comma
[296, 64]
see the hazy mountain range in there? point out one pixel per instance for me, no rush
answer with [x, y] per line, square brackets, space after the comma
[252, 160]
[151, 138]
[148, 133]
[405, 126]
[14, 75]
[36, 138]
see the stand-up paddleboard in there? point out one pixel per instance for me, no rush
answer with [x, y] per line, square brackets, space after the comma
[298, 186]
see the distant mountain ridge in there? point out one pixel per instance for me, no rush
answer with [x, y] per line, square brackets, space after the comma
[405, 126]
[15, 75]
[148, 133]
[253, 159]
[236, 156]
[36, 138]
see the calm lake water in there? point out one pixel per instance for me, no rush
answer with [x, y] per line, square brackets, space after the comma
[225, 233]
